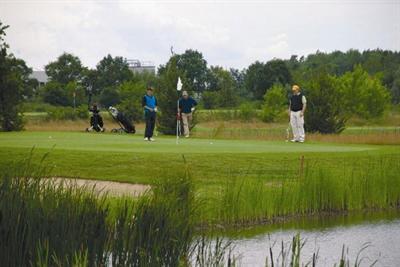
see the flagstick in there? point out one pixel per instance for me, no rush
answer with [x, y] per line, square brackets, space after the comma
[178, 121]
[177, 124]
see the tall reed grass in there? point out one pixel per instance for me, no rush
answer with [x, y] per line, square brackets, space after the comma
[43, 223]
[371, 184]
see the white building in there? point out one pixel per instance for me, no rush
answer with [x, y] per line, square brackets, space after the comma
[40, 75]
[138, 66]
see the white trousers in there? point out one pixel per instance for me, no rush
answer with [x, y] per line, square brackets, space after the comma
[297, 123]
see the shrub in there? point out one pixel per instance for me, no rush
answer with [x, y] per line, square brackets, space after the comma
[247, 111]
[325, 111]
[109, 97]
[68, 113]
[36, 107]
[363, 94]
[132, 94]
[54, 93]
[209, 100]
[167, 97]
[275, 102]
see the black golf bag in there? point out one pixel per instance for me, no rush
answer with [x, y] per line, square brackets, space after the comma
[122, 120]
[96, 121]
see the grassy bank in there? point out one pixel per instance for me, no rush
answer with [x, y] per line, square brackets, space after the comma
[159, 229]
[373, 184]
[238, 182]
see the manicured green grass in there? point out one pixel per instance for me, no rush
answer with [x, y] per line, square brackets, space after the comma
[130, 159]
[135, 144]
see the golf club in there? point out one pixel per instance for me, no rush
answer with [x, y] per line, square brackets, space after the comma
[288, 132]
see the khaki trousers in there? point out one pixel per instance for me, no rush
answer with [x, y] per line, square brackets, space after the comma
[186, 119]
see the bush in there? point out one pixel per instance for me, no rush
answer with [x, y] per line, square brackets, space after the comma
[36, 107]
[247, 111]
[109, 97]
[325, 111]
[209, 100]
[68, 113]
[364, 95]
[54, 93]
[132, 94]
[275, 103]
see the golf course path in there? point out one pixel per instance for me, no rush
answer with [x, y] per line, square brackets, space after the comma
[113, 188]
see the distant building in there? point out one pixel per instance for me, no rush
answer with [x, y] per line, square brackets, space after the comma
[41, 76]
[138, 66]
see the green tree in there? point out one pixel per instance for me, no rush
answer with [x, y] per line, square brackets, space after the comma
[194, 70]
[325, 111]
[109, 96]
[54, 93]
[14, 76]
[168, 96]
[238, 77]
[209, 99]
[259, 76]
[224, 85]
[111, 72]
[364, 95]
[275, 103]
[67, 68]
[131, 93]
[256, 80]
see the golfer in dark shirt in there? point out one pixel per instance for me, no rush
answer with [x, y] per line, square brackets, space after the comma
[186, 107]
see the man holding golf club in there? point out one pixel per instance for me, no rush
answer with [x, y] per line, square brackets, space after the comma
[297, 107]
[186, 107]
[149, 103]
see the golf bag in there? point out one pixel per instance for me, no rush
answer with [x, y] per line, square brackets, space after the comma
[96, 121]
[122, 120]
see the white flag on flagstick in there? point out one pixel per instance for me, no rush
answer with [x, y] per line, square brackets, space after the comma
[179, 84]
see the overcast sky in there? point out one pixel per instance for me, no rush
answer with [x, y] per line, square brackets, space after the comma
[228, 33]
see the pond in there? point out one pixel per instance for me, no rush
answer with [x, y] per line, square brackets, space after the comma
[380, 233]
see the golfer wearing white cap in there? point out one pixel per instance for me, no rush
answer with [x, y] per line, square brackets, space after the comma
[186, 107]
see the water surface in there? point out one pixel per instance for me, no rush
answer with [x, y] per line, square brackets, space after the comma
[327, 236]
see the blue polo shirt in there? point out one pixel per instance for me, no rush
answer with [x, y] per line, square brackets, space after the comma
[150, 101]
[186, 104]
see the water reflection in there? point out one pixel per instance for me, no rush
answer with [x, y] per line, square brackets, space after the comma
[327, 235]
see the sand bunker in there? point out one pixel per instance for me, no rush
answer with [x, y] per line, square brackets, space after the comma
[113, 188]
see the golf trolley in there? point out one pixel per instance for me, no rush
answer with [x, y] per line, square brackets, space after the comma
[96, 121]
[125, 125]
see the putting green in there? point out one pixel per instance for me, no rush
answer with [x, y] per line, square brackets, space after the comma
[135, 143]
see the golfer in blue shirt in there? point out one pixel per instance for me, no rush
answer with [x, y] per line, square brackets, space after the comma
[149, 103]
[186, 108]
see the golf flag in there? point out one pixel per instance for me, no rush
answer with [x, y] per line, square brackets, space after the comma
[179, 84]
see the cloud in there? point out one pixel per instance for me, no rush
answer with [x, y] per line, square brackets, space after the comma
[228, 33]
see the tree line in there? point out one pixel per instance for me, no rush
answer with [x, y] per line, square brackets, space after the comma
[338, 85]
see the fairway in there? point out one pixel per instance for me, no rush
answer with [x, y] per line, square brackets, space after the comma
[135, 144]
[128, 158]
